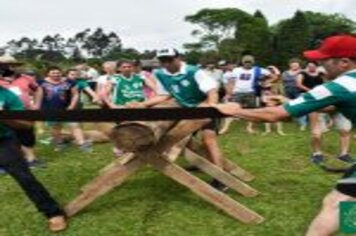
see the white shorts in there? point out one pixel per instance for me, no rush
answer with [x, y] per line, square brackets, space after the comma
[341, 122]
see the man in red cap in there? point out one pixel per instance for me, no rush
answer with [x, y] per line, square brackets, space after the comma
[338, 56]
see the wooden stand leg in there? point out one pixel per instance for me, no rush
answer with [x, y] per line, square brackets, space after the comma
[103, 184]
[237, 171]
[220, 174]
[173, 154]
[229, 166]
[205, 191]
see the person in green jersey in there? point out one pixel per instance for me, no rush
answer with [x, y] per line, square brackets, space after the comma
[126, 87]
[13, 161]
[337, 55]
[190, 87]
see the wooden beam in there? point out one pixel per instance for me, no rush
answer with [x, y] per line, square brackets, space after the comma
[229, 166]
[204, 190]
[102, 185]
[219, 174]
[173, 154]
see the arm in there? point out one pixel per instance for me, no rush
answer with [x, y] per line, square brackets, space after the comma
[212, 98]
[300, 80]
[268, 114]
[150, 83]
[92, 94]
[155, 100]
[105, 95]
[37, 98]
[74, 100]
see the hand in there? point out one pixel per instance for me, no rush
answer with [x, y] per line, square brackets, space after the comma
[275, 99]
[135, 105]
[229, 108]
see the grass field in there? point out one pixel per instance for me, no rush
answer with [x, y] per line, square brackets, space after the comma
[150, 204]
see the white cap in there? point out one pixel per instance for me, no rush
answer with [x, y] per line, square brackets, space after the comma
[167, 52]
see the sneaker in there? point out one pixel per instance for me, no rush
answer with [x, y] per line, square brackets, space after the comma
[37, 164]
[218, 185]
[86, 147]
[317, 159]
[57, 224]
[347, 158]
[3, 171]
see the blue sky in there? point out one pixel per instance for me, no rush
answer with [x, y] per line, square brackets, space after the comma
[141, 24]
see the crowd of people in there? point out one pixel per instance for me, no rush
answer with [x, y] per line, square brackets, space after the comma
[248, 91]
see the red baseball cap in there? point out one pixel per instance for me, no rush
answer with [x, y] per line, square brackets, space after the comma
[334, 47]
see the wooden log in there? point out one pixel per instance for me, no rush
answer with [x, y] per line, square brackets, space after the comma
[204, 190]
[219, 174]
[139, 136]
[102, 185]
[229, 166]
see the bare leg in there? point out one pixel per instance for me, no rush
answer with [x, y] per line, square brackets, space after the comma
[316, 133]
[29, 154]
[77, 134]
[250, 128]
[211, 143]
[345, 139]
[268, 128]
[280, 128]
[327, 221]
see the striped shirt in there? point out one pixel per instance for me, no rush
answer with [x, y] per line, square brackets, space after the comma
[340, 92]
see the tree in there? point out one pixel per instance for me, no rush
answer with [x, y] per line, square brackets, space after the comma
[292, 38]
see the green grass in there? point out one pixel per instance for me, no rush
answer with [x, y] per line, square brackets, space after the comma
[150, 204]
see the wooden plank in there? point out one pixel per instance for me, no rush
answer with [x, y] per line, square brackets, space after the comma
[118, 162]
[219, 174]
[237, 171]
[229, 166]
[102, 185]
[204, 190]
[173, 154]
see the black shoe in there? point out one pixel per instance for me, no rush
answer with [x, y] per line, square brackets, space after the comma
[347, 158]
[191, 168]
[218, 185]
[317, 159]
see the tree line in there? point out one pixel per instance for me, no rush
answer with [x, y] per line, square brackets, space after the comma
[220, 34]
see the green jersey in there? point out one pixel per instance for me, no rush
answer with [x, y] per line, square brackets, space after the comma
[340, 92]
[81, 84]
[128, 90]
[8, 101]
[189, 86]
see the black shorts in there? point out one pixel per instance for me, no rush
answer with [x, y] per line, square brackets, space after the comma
[347, 185]
[26, 137]
[214, 125]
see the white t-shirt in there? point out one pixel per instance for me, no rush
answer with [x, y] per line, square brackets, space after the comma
[228, 76]
[102, 80]
[205, 82]
[216, 74]
[244, 79]
[92, 74]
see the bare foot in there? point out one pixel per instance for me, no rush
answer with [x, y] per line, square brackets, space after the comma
[57, 224]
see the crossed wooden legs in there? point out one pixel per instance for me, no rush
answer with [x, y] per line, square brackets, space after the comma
[117, 173]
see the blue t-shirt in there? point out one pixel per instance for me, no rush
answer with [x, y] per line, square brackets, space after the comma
[56, 96]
